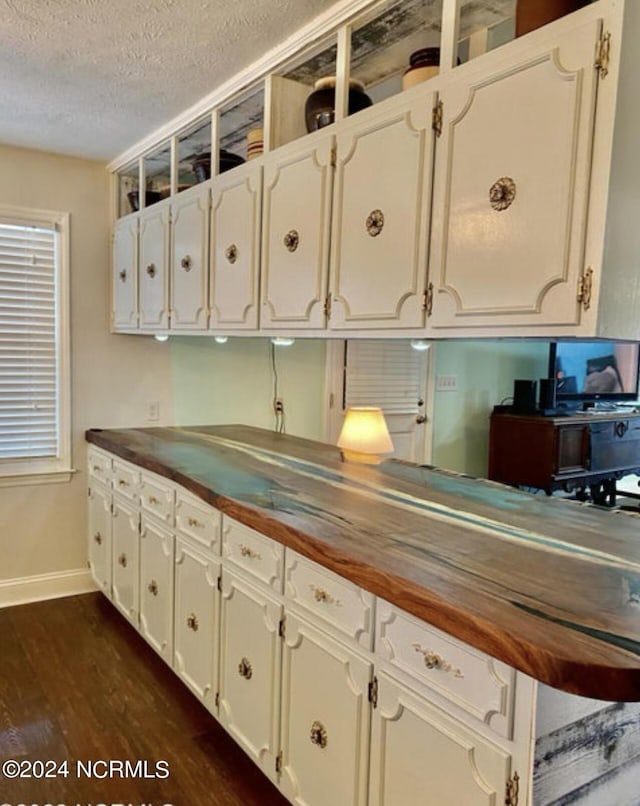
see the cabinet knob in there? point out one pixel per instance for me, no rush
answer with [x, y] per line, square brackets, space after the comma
[193, 521]
[434, 661]
[375, 223]
[153, 500]
[122, 560]
[123, 275]
[152, 587]
[98, 538]
[321, 595]
[192, 622]
[247, 551]
[231, 253]
[123, 483]
[291, 240]
[318, 734]
[502, 193]
[420, 419]
[151, 270]
[186, 263]
[621, 429]
[244, 669]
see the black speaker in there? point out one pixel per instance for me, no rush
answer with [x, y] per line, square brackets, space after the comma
[547, 393]
[524, 397]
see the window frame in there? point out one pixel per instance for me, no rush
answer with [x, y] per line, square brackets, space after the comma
[44, 470]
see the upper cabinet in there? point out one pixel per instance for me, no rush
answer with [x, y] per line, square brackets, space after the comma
[512, 188]
[422, 168]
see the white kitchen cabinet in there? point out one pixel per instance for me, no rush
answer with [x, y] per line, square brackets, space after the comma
[189, 259]
[125, 537]
[511, 190]
[381, 213]
[298, 182]
[156, 586]
[196, 621]
[236, 211]
[124, 278]
[250, 658]
[100, 536]
[422, 757]
[325, 719]
[154, 267]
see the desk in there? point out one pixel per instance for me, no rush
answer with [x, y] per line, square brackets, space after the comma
[565, 453]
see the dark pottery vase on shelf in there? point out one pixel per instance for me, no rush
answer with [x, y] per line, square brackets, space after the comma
[532, 14]
[150, 197]
[423, 65]
[202, 164]
[320, 107]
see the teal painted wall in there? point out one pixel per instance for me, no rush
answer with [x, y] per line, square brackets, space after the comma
[233, 383]
[485, 371]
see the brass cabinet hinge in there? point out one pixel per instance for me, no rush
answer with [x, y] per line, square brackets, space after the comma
[373, 692]
[513, 789]
[584, 288]
[603, 51]
[217, 699]
[279, 762]
[427, 299]
[327, 306]
[334, 156]
[219, 583]
[436, 119]
[282, 627]
[111, 509]
[89, 491]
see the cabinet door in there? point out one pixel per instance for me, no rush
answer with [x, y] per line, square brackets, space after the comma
[381, 217]
[196, 621]
[154, 267]
[125, 541]
[235, 248]
[250, 656]
[189, 259]
[124, 280]
[420, 756]
[100, 537]
[156, 587]
[295, 240]
[511, 190]
[325, 719]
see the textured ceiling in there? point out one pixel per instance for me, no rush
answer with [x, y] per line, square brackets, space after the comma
[92, 77]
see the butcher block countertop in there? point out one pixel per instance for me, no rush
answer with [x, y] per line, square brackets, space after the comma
[548, 586]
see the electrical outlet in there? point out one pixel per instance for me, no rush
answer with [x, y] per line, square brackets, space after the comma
[278, 405]
[446, 383]
[153, 411]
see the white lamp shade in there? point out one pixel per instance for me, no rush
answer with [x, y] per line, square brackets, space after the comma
[364, 434]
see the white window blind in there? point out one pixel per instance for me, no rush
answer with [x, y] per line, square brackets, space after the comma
[383, 373]
[29, 425]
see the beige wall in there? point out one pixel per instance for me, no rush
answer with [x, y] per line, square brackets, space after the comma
[43, 528]
[233, 383]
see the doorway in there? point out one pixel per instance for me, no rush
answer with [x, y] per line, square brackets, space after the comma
[390, 374]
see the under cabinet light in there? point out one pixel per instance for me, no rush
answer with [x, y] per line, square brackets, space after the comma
[220, 339]
[420, 344]
[282, 341]
[161, 337]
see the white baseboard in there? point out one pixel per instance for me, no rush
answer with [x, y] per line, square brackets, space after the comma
[45, 586]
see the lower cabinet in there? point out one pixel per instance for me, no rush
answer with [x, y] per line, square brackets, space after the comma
[422, 757]
[100, 536]
[196, 621]
[341, 698]
[325, 719]
[250, 653]
[125, 524]
[156, 587]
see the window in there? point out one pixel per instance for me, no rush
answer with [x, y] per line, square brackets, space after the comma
[34, 346]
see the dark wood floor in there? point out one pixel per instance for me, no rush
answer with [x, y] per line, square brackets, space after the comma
[78, 683]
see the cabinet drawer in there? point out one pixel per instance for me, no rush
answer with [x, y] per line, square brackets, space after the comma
[198, 521]
[256, 554]
[339, 604]
[126, 480]
[157, 498]
[475, 683]
[100, 465]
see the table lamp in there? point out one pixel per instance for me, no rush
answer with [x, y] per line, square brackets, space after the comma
[364, 435]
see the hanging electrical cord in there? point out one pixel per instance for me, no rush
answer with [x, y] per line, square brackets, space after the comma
[278, 407]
